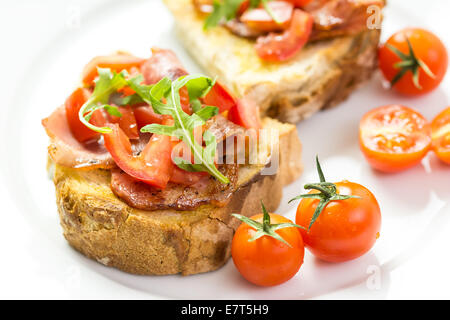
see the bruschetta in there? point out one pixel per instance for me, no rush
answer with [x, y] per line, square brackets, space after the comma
[140, 158]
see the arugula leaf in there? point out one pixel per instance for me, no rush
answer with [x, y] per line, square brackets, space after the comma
[184, 124]
[226, 10]
[106, 84]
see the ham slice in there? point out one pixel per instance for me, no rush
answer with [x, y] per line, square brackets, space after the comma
[162, 63]
[340, 17]
[67, 151]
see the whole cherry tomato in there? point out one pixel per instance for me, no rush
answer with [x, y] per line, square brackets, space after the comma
[394, 138]
[342, 220]
[267, 254]
[414, 61]
[440, 133]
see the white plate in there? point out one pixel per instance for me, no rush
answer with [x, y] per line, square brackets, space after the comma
[415, 204]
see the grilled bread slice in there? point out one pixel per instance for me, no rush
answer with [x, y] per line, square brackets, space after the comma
[104, 228]
[323, 74]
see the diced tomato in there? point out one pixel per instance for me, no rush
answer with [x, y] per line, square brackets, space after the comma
[220, 97]
[153, 166]
[145, 115]
[243, 7]
[184, 100]
[73, 104]
[280, 47]
[127, 91]
[260, 19]
[245, 114]
[127, 122]
[299, 3]
[116, 62]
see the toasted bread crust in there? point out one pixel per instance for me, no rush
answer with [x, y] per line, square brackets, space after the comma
[323, 74]
[104, 228]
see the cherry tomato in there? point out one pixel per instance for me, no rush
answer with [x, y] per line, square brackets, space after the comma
[116, 62]
[72, 105]
[346, 229]
[260, 19]
[267, 261]
[428, 51]
[220, 97]
[440, 128]
[394, 138]
[280, 47]
[245, 114]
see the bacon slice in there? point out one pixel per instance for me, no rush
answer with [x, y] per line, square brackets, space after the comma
[340, 17]
[175, 196]
[162, 63]
[67, 151]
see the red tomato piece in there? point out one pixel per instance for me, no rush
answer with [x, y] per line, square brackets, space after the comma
[73, 104]
[280, 47]
[127, 122]
[299, 3]
[153, 166]
[245, 114]
[260, 19]
[220, 97]
[146, 115]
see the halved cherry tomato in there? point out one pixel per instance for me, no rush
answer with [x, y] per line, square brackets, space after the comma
[146, 115]
[267, 261]
[260, 19]
[440, 133]
[220, 97]
[280, 47]
[73, 104]
[154, 164]
[394, 138]
[246, 114]
[345, 229]
[116, 62]
[127, 122]
[427, 48]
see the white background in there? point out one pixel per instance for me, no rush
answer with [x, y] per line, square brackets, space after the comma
[34, 265]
